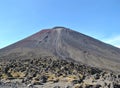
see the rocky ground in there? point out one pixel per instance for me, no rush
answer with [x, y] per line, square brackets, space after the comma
[48, 72]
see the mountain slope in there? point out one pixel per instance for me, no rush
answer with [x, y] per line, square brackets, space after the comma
[66, 44]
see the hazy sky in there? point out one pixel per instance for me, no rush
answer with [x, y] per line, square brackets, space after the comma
[97, 18]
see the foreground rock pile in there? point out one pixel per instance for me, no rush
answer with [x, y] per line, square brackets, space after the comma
[48, 72]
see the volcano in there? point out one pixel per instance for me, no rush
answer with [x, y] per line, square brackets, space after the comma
[67, 44]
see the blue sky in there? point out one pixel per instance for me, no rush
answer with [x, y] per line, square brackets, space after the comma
[97, 18]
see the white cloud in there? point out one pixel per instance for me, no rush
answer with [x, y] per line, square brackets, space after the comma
[113, 40]
[118, 46]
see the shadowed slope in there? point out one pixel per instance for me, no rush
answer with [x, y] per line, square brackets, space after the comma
[66, 44]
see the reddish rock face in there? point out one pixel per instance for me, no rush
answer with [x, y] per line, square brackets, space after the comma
[66, 44]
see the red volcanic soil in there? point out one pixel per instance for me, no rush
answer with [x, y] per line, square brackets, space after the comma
[41, 32]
